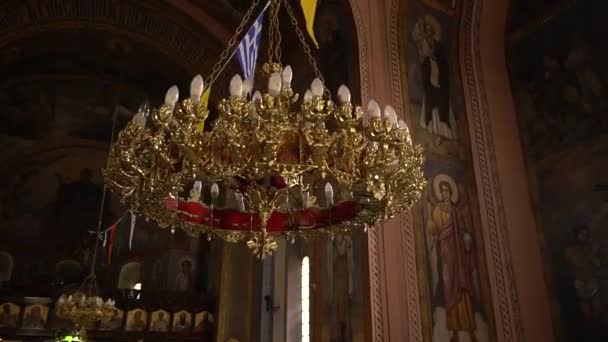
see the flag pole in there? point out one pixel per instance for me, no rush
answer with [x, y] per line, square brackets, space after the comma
[103, 193]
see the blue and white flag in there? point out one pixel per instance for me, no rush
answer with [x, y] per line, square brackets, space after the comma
[247, 51]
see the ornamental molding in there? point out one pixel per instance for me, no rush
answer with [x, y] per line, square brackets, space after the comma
[505, 296]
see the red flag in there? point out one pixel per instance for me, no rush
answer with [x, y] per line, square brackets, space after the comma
[113, 230]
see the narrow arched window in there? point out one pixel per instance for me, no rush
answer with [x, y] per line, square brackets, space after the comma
[305, 297]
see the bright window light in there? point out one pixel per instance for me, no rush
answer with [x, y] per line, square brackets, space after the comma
[305, 295]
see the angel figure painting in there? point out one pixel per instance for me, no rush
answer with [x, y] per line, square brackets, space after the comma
[454, 286]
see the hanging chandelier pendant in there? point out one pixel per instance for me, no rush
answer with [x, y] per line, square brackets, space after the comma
[272, 164]
[85, 306]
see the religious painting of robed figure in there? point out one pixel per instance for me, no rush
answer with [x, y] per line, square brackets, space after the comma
[452, 263]
[35, 316]
[160, 321]
[203, 321]
[9, 315]
[184, 279]
[137, 320]
[182, 321]
[436, 112]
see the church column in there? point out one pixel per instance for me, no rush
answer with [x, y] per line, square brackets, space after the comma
[393, 289]
[238, 313]
[520, 296]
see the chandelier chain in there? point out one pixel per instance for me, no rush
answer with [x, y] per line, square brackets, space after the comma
[228, 52]
[277, 31]
[271, 34]
[311, 59]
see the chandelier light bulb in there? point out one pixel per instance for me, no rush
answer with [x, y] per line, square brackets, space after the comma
[274, 84]
[307, 96]
[287, 77]
[316, 87]
[390, 115]
[247, 87]
[196, 88]
[329, 193]
[343, 94]
[257, 96]
[142, 114]
[402, 125]
[215, 192]
[373, 109]
[172, 96]
[198, 186]
[236, 86]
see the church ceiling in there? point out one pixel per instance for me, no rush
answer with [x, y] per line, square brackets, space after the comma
[65, 65]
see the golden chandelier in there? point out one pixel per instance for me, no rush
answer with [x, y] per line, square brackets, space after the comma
[271, 164]
[85, 306]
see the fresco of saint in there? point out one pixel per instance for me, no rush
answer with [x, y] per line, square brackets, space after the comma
[452, 259]
[436, 112]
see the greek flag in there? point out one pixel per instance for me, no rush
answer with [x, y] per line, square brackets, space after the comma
[247, 51]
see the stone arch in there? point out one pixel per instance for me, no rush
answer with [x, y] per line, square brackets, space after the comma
[130, 274]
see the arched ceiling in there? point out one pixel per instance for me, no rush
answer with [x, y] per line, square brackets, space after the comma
[113, 37]
[64, 65]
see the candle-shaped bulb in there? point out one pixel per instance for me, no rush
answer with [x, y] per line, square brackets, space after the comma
[329, 193]
[257, 96]
[247, 87]
[307, 96]
[402, 125]
[317, 88]
[144, 109]
[196, 88]
[287, 76]
[172, 230]
[390, 115]
[274, 84]
[236, 86]
[172, 96]
[373, 109]
[343, 94]
[139, 119]
[197, 187]
[215, 191]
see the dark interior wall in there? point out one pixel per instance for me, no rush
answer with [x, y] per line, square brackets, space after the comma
[559, 77]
